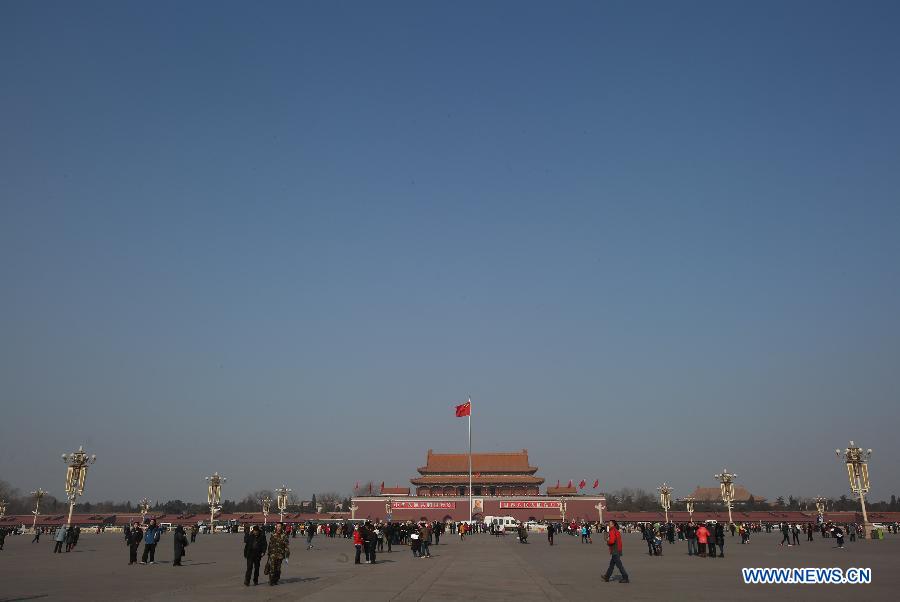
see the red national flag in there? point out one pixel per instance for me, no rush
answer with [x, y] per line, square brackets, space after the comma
[570, 483]
[557, 483]
[464, 409]
[370, 487]
[596, 483]
[355, 487]
[382, 487]
[582, 483]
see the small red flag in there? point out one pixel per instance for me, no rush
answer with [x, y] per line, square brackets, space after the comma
[464, 409]
[582, 483]
[557, 483]
[382, 487]
[356, 486]
[596, 483]
[570, 483]
[370, 487]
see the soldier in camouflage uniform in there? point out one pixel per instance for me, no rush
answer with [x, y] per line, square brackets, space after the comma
[279, 549]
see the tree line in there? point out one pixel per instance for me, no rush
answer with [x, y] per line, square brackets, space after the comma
[627, 498]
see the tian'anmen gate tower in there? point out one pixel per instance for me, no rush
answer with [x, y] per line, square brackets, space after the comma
[503, 484]
[496, 473]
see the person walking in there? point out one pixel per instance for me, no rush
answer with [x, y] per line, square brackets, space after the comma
[425, 534]
[135, 535]
[151, 538]
[809, 532]
[254, 548]
[550, 532]
[59, 538]
[310, 533]
[279, 550]
[181, 542]
[70, 539]
[37, 535]
[785, 535]
[649, 535]
[615, 553]
[389, 534]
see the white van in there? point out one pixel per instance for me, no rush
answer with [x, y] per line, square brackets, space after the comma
[507, 522]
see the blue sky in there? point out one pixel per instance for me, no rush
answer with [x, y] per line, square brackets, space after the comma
[280, 241]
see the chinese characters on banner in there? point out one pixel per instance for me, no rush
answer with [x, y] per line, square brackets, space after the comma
[542, 505]
[422, 505]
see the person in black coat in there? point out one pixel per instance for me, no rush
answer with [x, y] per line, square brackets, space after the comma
[254, 548]
[181, 542]
[135, 536]
[720, 539]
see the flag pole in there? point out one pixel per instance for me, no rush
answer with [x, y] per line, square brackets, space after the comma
[470, 458]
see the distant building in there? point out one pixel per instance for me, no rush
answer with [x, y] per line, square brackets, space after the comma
[493, 474]
[714, 494]
[503, 484]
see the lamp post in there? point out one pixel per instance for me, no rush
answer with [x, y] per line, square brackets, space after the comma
[562, 506]
[599, 508]
[144, 507]
[726, 485]
[281, 499]
[214, 496]
[76, 473]
[689, 506]
[2, 508]
[37, 495]
[858, 472]
[665, 498]
[353, 510]
[820, 507]
[266, 504]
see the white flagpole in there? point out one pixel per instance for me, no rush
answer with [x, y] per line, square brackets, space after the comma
[470, 459]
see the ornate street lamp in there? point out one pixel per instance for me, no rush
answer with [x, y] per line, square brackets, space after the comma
[144, 506]
[281, 499]
[266, 504]
[858, 473]
[599, 508]
[689, 505]
[665, 498]
[2, 508]
[37, 495]
[214, 497]
[820, 507]
[76, 473]
[726, 485]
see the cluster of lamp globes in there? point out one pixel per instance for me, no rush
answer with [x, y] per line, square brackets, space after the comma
[76, 473]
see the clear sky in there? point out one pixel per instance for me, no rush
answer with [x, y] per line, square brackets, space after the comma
[282, 240]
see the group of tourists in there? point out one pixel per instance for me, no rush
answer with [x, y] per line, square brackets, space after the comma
[68, 536]
[704, 539]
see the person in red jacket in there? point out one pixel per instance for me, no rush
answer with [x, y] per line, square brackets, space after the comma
[358, 542]
[702, 538]
[615, 553]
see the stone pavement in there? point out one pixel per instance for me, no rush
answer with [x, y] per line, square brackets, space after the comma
[482, 567]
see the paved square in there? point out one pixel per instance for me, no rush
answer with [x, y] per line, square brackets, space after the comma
[482, 567]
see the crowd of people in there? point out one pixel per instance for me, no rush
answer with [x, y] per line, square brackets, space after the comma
[370, 538]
